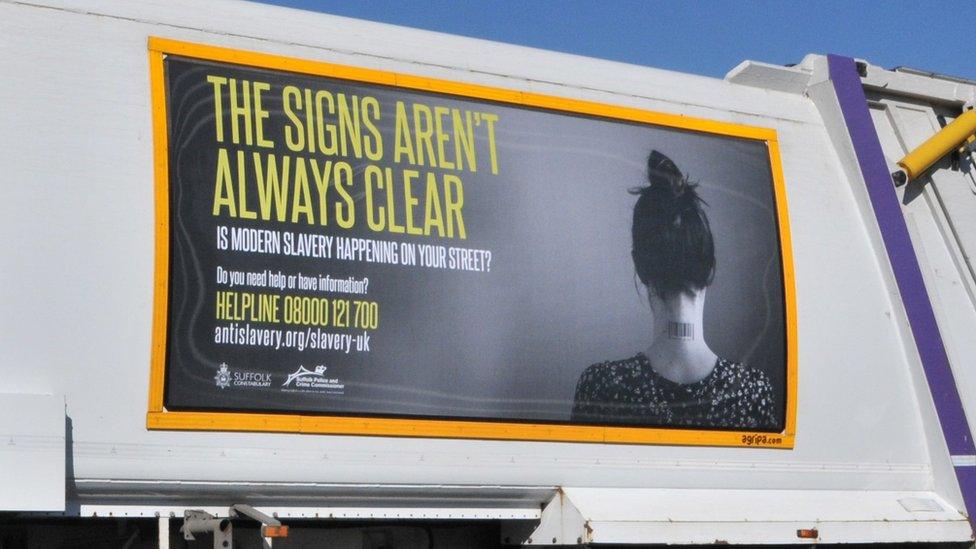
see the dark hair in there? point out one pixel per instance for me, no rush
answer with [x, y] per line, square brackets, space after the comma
[673, 250]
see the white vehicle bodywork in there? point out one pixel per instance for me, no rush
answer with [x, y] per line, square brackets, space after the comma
[869, 465]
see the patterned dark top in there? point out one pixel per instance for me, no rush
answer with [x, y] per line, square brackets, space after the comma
[630, 392]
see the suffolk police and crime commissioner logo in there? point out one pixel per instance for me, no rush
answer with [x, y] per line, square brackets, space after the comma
[302, 380]
[305, 380]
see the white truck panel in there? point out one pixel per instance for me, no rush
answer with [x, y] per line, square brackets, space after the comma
[80, 264]
[32, 452]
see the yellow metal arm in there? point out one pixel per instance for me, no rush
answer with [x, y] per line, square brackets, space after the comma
[942, 143]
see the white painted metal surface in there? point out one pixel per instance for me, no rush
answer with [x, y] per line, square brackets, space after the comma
[365, 510]
[822, 94]
[621, 516]
[77, 290]
[32, 452]
[941, 214]
[163, 532]
[770, 77]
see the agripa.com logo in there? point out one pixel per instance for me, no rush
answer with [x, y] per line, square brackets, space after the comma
[305, 380]
[228, 378]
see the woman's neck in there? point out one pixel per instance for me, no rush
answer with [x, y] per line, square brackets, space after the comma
[678, 351]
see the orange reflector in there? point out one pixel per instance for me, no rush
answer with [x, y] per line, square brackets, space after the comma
[808, 533]
[274, 531]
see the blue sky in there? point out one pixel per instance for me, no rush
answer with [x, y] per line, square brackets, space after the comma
[707, 38]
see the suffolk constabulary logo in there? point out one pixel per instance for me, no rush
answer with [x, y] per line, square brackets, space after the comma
[223, 377]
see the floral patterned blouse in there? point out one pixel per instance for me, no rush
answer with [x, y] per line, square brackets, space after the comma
[630, 392]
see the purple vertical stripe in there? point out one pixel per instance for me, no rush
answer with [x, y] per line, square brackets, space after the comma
[904, 264]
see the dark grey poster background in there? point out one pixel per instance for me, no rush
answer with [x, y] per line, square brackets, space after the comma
[506, 344]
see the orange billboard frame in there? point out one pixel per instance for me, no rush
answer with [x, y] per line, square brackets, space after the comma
[158, 417]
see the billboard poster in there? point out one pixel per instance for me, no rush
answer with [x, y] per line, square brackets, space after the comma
[342, 250]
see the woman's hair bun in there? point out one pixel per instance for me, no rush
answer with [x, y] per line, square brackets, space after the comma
[669, 192]
[664, 176]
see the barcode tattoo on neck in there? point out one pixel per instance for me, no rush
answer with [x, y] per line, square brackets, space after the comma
[681, 330]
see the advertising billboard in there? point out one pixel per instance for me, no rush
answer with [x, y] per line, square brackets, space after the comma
[343, 250]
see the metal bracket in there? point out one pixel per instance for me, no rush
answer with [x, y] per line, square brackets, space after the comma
[242, 510]
[561, 524]
[201, 522]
